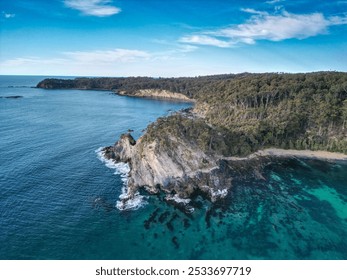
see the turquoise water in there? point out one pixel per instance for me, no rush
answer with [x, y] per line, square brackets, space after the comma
[57, 199]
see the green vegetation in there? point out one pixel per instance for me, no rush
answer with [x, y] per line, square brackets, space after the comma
[250, 112]
[186, 86]
[296, 111]
[246, 112]
[196, 132]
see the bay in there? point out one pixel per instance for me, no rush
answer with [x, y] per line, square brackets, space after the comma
[57, 199]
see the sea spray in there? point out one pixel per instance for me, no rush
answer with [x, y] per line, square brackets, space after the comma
[125, 202]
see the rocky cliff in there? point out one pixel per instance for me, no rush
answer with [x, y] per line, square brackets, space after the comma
[175, 165]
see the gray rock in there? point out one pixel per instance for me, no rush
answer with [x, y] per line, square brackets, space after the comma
[181, 171]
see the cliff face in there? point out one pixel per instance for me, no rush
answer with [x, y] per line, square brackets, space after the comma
[180, 171]
[156, 93]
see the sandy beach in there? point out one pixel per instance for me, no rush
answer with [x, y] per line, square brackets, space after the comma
[294, 153]
[302, 154]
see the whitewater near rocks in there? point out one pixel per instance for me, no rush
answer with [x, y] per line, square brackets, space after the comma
[125, 202]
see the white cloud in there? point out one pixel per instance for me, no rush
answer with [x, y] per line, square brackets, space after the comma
[205, 40]
[187, 48]
[253, 11]
[338, 20]
[81, 59]
[175, 47]
[274, 1]
[7, 15]
[264, 26]
[20, 61]
[121, 62]
[99, 8]
[86, 63]
[278, 27]
[107, 57]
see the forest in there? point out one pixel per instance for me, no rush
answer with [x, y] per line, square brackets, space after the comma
[245, 112]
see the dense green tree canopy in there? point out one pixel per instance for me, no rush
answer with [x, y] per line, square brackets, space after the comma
[246, 112]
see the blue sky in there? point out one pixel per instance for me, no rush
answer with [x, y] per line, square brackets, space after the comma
[171, 38]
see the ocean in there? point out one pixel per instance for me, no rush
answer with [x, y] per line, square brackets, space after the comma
[58, 197]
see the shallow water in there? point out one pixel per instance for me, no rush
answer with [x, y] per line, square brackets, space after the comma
[58, 199]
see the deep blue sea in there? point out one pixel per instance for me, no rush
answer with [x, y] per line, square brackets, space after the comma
[58, 199]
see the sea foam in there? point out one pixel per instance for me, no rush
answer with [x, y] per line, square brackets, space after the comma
[123, 169]
[218, 193]
[183, 201]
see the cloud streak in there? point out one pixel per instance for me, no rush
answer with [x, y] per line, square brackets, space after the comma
[274, 1]
[205, 40]
[22, 61]
[7, 15]
[98, 8]
[110, 57]
[107, 57]
[128, 62]
[264, 26]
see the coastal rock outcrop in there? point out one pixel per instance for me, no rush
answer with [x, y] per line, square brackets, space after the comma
[177, 166]
[179, 171]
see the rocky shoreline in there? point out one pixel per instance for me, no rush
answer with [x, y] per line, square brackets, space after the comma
[185, 171]
[179, 173]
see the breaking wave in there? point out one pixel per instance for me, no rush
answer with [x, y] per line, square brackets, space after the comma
[125, 202]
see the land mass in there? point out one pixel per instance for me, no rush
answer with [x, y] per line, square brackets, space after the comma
[238, 123]
[12, 96]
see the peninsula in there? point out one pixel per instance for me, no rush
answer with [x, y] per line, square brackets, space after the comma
[237, 125]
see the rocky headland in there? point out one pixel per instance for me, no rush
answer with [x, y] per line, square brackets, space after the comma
[180, 169]
[239, 123]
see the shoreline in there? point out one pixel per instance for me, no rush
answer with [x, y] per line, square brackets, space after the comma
[308, 154]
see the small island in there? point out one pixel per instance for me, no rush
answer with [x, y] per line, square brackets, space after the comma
[12, 96]
[237, 125]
